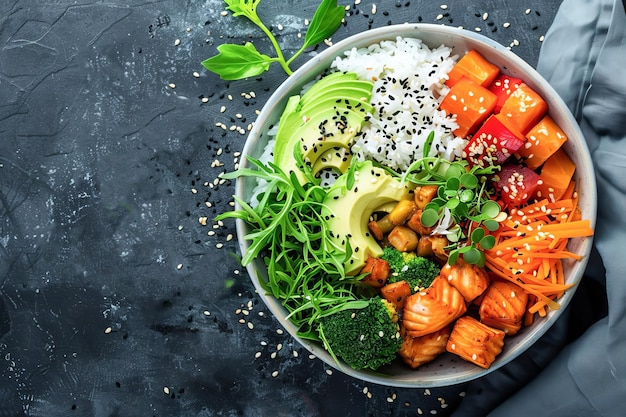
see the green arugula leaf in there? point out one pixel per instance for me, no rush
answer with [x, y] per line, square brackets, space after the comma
[325, 22]
[235, 62]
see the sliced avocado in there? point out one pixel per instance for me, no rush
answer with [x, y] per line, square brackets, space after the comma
[338, 159]
[329, 114]
[326, 130]
[354, 91]
[348, 211]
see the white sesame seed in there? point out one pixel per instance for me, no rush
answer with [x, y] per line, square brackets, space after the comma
[179, 266]
[166, 390]
[485, 16]
[177, 42]
[196, 74]
[108, 330]
[171, 85]
[207, 313]
[250, 325]
[257, 355]
[224, 13]
[274, 374]
[506, 24]
[443, 6]
[527, 11]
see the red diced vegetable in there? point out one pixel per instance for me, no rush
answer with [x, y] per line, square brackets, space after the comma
[471, 103]
[493, 143]
[541, 142]
[475, 67]
[503, 86]
[556, 175]
[524, 108]
[516, 184]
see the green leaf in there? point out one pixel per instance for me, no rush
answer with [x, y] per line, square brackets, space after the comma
[469, 180]
[491, 225]
[466, 196]
[488, 242]
[453, 203]
[452, 258]
[472, 255]
[477, 235]
[234, 62]
[428, 143]
[453, 184]
[325, 22]
[490, 209]
[430, 217]
[454, 170]
[350, 175]
[462, 211]
[245, 8]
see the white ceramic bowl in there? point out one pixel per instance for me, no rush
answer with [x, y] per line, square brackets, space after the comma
[447, 369]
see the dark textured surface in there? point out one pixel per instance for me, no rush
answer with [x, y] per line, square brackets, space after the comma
[115, 298]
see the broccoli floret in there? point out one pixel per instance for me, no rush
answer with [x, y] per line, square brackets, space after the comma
[363, 338]
[418, 271]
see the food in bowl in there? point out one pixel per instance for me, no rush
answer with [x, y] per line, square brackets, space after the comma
[398, 216]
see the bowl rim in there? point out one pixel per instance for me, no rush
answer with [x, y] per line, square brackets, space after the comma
[312, 68]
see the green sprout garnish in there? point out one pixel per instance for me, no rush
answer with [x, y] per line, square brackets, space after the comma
[462, 209]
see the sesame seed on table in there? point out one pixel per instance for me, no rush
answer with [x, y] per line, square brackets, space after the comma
[120, 294]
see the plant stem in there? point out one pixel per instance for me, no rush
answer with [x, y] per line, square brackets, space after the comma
[279, 53]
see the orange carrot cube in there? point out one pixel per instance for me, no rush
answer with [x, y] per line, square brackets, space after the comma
[475, 67]
[524, 108]
[471, 103]
[542, 141]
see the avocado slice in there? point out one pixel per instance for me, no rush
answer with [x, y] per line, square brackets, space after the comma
[337, 158]
[348, 211]
[328, 115]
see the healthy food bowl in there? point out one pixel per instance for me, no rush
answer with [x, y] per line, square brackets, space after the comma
[447, 368]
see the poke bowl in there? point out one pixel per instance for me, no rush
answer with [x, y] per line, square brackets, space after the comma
[446, 367]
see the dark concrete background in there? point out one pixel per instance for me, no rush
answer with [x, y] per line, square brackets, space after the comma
[119, 294]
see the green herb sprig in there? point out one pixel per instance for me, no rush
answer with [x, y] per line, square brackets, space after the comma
[462, 207]
[234, 61]
[305, 269]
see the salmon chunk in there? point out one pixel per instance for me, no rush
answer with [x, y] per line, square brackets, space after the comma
[432, 309]
[475, 341]
[417, 351]
[470, 280]
[503, 306]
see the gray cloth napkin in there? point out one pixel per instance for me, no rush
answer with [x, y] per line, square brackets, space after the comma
[579, 367]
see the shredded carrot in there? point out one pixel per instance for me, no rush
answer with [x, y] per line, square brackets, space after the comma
[531, 246]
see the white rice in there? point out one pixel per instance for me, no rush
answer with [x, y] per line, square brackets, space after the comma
[408, 87]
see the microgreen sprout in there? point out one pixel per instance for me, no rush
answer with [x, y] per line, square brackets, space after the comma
[235, 61]
[463, 209]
